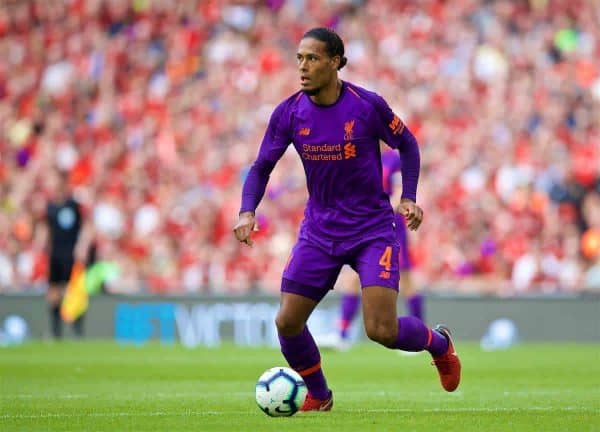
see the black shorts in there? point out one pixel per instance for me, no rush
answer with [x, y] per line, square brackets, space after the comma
[60, 269]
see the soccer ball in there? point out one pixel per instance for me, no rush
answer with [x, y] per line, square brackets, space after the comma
[280, 392]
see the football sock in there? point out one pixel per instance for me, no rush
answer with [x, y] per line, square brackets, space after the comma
[414, 305]
[303, 356]
[349, 309]
[413, 335]
[55, 322]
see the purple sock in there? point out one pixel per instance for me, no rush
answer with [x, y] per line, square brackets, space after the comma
[413, 335]
[414, 305]
[303, 356]
[349, 309]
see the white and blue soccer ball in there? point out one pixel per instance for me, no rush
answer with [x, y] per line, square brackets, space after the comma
[280, 392]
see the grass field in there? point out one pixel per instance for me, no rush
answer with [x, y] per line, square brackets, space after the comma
[102, 386]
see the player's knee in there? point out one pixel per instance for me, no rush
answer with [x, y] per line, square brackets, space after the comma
[381, 332]
[287, 325]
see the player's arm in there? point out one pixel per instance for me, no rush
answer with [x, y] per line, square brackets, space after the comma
[273, 146]
[395, 134]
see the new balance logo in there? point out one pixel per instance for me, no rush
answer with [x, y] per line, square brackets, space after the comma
[304, 132]
[349, 151]
[384, 274]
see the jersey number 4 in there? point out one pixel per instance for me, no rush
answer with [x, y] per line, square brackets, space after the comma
[386, 258]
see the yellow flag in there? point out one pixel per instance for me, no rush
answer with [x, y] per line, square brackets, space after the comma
[75, 301]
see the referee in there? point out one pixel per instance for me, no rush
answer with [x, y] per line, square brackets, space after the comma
[69, 239]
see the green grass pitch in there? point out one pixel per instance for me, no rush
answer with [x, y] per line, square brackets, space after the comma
[103, 386]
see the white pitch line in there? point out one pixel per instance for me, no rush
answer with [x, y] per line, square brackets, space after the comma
[469, 410]
[249, 394]
[228, 413]
[46, 396]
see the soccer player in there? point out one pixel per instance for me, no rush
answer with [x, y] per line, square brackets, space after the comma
[336, 127]
[351, 288]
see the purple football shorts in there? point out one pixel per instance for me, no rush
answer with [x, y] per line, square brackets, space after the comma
[312, 268]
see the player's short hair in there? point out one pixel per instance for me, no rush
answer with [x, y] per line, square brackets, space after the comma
[333, 42]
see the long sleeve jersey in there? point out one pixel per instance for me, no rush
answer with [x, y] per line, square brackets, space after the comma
[338, 145]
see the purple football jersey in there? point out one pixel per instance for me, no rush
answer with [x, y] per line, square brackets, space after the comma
[338, 145]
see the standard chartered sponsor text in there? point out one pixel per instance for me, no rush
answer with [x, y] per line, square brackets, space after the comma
[321, 148]
[322, 152]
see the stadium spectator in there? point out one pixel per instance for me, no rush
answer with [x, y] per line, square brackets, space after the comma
[160, 105]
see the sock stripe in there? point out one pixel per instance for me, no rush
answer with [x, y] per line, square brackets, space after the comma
[310, 370]
[429, 337]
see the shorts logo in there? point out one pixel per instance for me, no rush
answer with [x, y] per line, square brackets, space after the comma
[349, 151]
[304, 132]
[396, 125]
[348, 130]
[384, 274]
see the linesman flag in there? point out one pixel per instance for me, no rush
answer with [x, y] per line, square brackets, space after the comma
[75, 301]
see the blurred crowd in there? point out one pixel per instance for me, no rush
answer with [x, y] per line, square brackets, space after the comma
[155, 110]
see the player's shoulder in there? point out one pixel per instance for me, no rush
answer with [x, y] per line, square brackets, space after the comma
[286, 110]
[369, 97]
[290, 104]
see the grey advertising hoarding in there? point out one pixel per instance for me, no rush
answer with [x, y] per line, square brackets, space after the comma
[248, 320]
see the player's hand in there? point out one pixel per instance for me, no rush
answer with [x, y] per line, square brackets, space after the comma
[245, 227]
[411, 212]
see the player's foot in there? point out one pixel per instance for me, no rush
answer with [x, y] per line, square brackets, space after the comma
[447, 364]
[312, 404]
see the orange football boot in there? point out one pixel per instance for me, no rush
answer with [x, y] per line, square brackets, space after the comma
[447, 364]
[313, 404]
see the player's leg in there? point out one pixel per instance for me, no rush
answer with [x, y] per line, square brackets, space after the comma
[297, 343]
[53, 299]
[349, 285]
[57, 280]
[78, 326]
[349, 305]
[379, 277]
[383, 325]
[309, 274]
[408, 333]
[413, 299]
